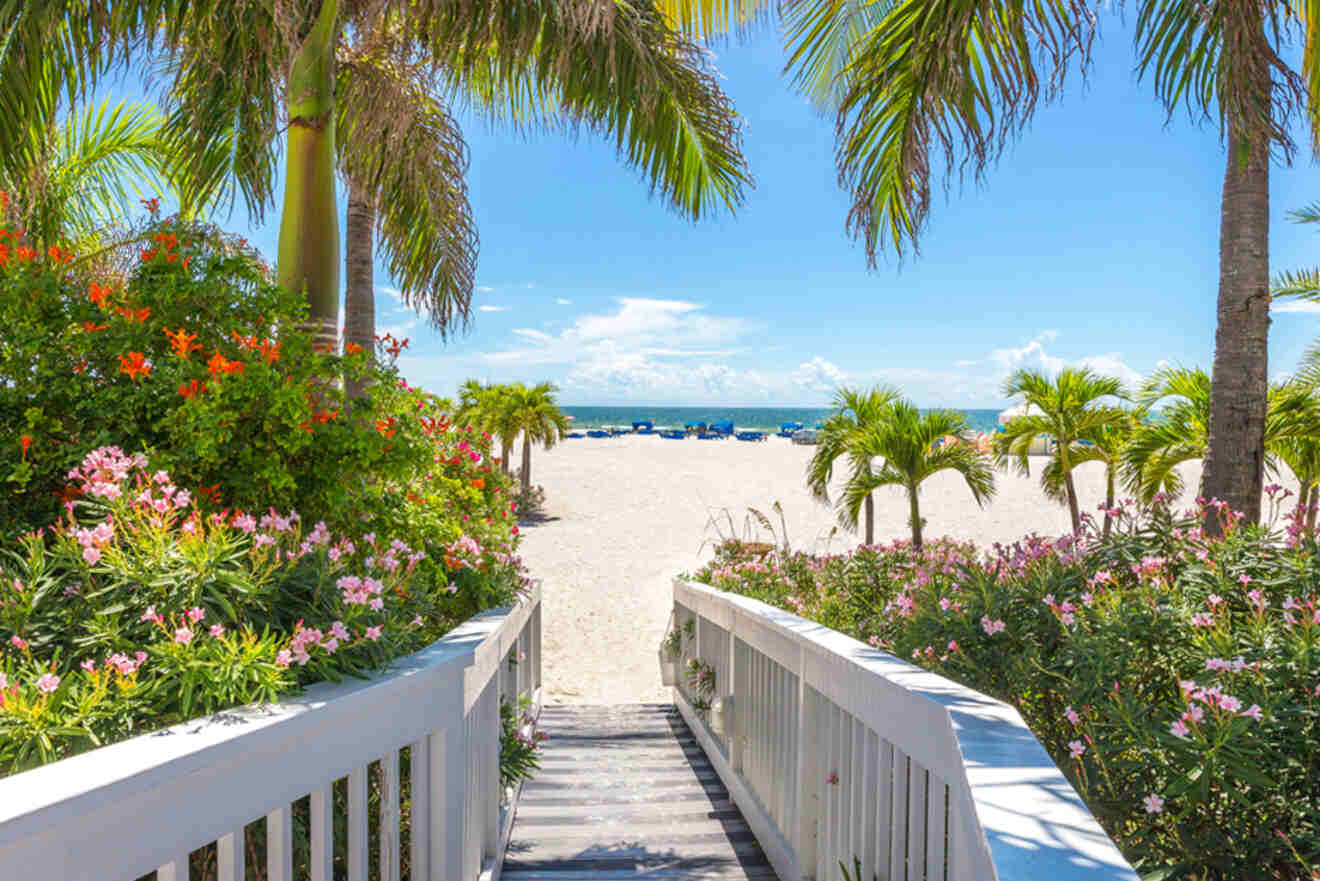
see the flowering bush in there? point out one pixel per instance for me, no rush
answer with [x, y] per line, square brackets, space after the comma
[138, 610]
[191, 355]
[1174, 677]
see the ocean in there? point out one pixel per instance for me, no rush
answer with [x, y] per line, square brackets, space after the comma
[754, 418]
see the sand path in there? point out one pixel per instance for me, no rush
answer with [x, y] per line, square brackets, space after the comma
[624, 515]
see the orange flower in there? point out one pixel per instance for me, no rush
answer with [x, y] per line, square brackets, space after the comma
[478, 484]
[351, 348]
[92, 327]
[386, 427]
[4, 253]
[152, 205]
[182, 342]
[306, 425]
[324, 416]
[27, 255]
[185, 262]
[396, 347]
[192, 389]
[4, 200]
[167, 240]
[134, 315]
[325, 348]
[27, 442]
[58, 256]
[99, 295]
[219, 364]
[145, 254]
[270, 351]
[134, 365]
[81, 366]
[210, 493]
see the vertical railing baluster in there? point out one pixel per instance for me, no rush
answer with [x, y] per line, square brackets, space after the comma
[870, 791]
[358, 851]
[898, 843]
[175, 870]
[937, 795]
[229, 857]
[389, 816]
[323, 834]
[421, 829]
[808, 780]
[279, 845]
[917, 822]
[884, 819]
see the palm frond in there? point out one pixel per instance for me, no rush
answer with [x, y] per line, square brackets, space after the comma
[934, 77]
[402, 145]
[704, 19]
[824, 35]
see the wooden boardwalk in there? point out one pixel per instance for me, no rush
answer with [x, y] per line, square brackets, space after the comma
[625, 792]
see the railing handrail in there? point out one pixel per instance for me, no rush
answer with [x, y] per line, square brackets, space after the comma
[234, 766]
[1029, 820]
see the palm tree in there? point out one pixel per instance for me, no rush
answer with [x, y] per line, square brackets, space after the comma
[909, 82]
[1302, 456]
[684, 143]
[1106, 444]
[1066, 408]
[241, 72]
[1181, 431]
[841, 435]
[532, 412]
[906, 439]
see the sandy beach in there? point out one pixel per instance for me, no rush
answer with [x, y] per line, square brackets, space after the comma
[624, 515]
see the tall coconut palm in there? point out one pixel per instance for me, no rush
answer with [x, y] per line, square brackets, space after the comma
[909, 82]
[241, 72]
[414, 200]
[841, 436]
[532, 412]
[1068, 407]
[906, 438]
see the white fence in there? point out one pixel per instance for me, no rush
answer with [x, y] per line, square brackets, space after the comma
[839, 753]
[146, 804]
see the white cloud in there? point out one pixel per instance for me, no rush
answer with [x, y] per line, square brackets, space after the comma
[489, 308]
[560, 301]
[1291, 305]
[819, 375]
[393, 293]
[484, 289]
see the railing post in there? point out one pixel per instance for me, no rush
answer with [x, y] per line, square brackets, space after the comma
[732, 730]
[808, 773]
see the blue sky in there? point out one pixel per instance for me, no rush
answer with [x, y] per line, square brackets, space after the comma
[1093, 240]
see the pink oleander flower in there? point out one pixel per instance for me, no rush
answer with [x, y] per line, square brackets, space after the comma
[417, 622]
[1258, 600]
[373, 633]
[283, 658]
[217, 630]
[18, 642]
[152, 615]
[1179, 729]
[4, 681]
[339, 631]
[183, 636]
[1214, 600]
[245, 523]
[1203, 619]
[195, 614]
[48, 683]
[89, 665]
[1230, 703]
[1071, 715]
[1154, 804]
[832, 778]
[331, 646]
[1076, 748]
[991, 627]
[92, 555]
[953, 645]
[1254, 711]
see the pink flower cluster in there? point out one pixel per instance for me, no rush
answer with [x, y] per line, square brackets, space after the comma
[104, 469]
[361, 591]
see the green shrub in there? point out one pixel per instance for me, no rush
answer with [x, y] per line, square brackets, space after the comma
[1175, 678]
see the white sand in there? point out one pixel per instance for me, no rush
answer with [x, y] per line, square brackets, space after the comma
[624, 515]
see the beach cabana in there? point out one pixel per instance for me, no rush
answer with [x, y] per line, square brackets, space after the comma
[673, 434]
[598, 432]
[711, 435]
[722, 427]
[641, 426]
[695, 426]
[750, 435]
[575, 434]
[786, 429]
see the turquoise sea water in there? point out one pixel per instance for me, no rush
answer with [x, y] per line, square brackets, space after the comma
[754, 418]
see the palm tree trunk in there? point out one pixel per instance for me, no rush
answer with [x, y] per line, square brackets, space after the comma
[870, 520]
[1109, 499]
[1312, 494]
[309, 226]
[914, 514]
[508, 454]
[1235, 457]
[527, 462]
[1073, 510]
[359, 286]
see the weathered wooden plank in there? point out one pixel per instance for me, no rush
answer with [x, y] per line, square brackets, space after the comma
[623, 793]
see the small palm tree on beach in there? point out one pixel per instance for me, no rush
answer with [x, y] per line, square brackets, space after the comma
[842, 435]
[533, 413]
[905, 438]
[1065, 407]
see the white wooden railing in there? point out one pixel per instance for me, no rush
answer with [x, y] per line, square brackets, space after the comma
[840, 753]
[146, 804]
